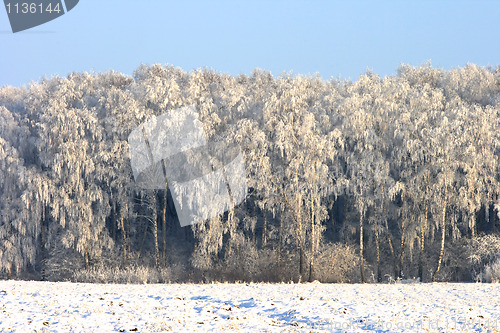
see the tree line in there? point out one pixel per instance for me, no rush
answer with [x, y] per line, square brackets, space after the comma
[367, 180]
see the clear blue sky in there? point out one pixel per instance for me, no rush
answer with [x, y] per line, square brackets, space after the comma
[332, 38]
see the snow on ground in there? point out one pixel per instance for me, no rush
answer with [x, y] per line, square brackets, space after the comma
[69, 307]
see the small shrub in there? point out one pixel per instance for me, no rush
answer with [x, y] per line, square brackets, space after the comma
[127, 275]
[491, 272]
[336, 263]
[484, 257]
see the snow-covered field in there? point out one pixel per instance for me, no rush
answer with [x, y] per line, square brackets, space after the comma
[68, 307]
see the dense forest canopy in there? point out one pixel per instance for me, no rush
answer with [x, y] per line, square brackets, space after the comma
[367, 180]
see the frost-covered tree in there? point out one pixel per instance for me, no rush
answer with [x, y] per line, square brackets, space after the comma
[401, 170]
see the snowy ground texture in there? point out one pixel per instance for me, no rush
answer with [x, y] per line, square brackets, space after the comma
[313, 307]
